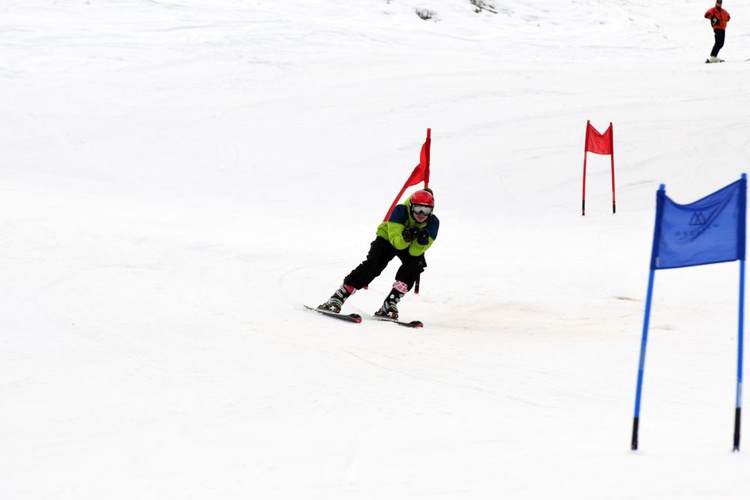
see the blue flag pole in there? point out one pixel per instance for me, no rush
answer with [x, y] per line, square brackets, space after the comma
[642, 362]
[741, 319]
[740, 348]
[660, 196]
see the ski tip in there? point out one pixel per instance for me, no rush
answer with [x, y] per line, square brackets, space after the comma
[416, 324]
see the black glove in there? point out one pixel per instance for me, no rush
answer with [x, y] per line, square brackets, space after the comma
[409, 233]
[714, 21]
[423, 236]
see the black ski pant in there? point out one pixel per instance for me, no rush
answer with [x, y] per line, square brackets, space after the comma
[718, 42]
[380, 254]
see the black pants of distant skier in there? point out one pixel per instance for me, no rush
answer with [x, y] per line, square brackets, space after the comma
[718, 42]
[380, 254]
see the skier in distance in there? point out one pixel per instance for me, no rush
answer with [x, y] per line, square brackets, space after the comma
[719, 19]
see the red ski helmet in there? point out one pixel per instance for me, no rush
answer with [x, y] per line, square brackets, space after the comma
[423, 197]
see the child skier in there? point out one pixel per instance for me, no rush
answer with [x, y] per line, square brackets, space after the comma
[407, 234]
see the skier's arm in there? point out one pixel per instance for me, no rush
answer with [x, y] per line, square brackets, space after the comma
[393, 229]
[419, 245]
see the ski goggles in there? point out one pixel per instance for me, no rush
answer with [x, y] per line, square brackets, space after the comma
[421, 209]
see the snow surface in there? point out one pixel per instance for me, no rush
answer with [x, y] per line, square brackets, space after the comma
[178, 177]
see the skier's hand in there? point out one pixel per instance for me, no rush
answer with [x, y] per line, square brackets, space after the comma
[409, 233]
[423, 236]
[714, 21]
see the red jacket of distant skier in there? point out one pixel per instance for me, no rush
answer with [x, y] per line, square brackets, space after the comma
[722, 17]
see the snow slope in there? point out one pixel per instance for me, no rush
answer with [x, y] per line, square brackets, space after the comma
[178, 177]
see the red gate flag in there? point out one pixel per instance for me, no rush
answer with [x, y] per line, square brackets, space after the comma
[601, 144]
[420, 173]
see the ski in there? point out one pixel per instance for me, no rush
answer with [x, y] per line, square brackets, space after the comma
[351, 318]
[407, 324]
[708, 61]
[356, 318]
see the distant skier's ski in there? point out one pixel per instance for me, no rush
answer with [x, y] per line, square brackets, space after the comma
[708, 61]
[408, 324]
[351, 318]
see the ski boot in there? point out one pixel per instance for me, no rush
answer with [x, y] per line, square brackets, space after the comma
[336, 302]
[389, 309]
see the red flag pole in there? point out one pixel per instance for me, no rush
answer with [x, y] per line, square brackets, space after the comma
[428, 142]
[585, 153]
[612, 156]
[421, 173]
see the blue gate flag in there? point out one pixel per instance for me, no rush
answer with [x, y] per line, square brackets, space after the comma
[706, 231]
